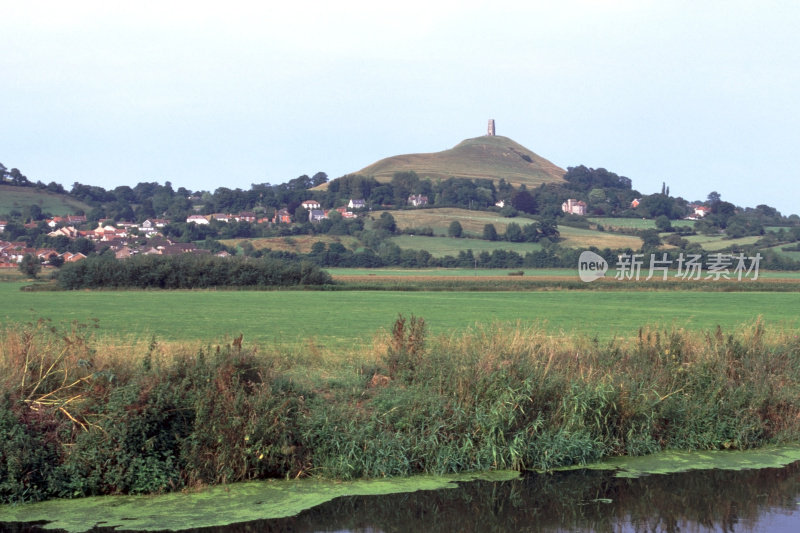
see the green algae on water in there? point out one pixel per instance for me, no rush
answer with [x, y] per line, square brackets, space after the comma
[672, 462]
[221, 505]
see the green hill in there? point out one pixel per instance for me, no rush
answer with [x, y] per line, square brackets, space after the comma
[493, 157]
[20, 198]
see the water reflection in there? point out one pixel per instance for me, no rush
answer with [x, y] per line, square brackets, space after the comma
[583, 500]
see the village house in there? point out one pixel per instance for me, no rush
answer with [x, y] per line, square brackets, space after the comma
[55, 221]
[151, 225]
[345, 213]
[501, 204]
[46, 254]
[3, 224]
[574, 207]
[197, 219]
[282, 216]
[245, 216]
[311, 204]
[357, 204]
[72, 258]
[418, 200]
[315, 215]
[635, 203]
[67, 231]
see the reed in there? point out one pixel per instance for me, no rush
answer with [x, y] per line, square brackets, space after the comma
[82, 416]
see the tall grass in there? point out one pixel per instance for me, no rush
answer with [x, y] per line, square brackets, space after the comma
[80, 416]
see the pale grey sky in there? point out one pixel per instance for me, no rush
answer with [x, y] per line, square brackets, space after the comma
[699, 94]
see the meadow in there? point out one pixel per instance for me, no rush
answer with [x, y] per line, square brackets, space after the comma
[350, 319]
[19, 198]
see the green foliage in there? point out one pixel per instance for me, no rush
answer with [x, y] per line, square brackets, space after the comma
[489, 232]
[455, 229]
[30, 265]
[491, 398]
[187, 271]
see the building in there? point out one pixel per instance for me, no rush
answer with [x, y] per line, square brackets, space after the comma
[311, 204]
[574, 207]
[197, 219]
[418, 200]
[315, 215]
[490, 131]
[282, 216]
[357, 204]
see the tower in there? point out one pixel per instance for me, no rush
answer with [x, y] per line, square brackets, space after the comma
[490, 133]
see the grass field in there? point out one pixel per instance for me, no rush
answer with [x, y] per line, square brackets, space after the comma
[584, 238]
[634, 223]
[300, 244]
[352, 318]
[19, 198]
[713, 243]
[439, 219]
[473, 222]
[450, 272]
[441, 246]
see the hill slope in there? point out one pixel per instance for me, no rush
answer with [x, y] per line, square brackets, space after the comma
[493, 157]
[20, 198]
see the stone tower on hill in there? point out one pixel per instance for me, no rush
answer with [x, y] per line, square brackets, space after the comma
[490, 133]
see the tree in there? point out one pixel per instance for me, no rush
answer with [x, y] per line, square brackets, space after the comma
[489, 232]
[385, 222]
[514, 233]
[663, 223]
[30, 266]
[523, 201]
[455, 229]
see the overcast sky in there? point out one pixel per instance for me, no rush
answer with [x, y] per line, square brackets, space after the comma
[699, 94]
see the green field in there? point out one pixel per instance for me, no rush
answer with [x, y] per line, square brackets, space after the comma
[352, 318]
[713, 243]
[634, 223]
[450, 272]
[441, 246]
[19, 198]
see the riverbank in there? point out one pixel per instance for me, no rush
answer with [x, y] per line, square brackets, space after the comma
[81, 417]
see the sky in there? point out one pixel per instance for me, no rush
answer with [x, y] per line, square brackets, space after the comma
[700, 95]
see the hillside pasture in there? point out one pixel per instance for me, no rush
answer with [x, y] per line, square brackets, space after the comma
[634, 223]
[713, 243]
[299, 244]
[584, 238]
[13, 198]
[439, 219]
[442, 246]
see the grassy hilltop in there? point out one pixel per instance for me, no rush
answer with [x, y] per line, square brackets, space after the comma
[482, 157]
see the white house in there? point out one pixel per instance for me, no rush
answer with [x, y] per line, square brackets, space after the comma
[310, 205]
[197, 219]
[418, 200]
[357, 204]
[574, 207]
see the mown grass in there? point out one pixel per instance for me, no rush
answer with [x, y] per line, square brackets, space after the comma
[81, 417]
[351, 317]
